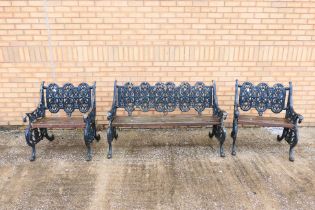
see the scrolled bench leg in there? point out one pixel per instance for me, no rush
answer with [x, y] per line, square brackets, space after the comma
[222, 136]
[220, 133]
[33, 157]
[89, 151]
[293, 140]
[234, 146]
[222, 154]
[89, 136]
[292, 137]
[234, 136]
[33, 136]
[110, 138]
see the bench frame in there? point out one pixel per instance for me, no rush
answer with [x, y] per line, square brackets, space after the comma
[256, 97]
[54, 103]
[218, 130]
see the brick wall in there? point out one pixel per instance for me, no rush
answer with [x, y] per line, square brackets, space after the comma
[154, 41]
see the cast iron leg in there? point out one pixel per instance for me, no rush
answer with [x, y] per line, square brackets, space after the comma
[234, 135]
[293, 144]
[33, 157]
[110, 137]
[109, 154]
[234, 146]
[220, 133]
[222, 154]
[89, 151]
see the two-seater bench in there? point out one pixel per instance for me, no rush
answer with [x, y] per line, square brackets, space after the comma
[69, 98]
[164, 98]
[263, 97]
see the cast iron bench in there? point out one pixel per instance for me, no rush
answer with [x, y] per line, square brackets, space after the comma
[164, 98]
[68, 98]
[263, 97]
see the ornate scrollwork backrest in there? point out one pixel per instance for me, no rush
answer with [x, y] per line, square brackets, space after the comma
[262, 97]
[68, 98]
[164, 97]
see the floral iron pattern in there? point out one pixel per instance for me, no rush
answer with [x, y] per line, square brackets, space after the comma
[164, 97]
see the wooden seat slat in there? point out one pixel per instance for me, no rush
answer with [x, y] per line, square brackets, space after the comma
[165, 121]
[264, 121]
[59, 122]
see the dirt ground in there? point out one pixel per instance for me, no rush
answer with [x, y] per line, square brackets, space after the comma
[158, 169]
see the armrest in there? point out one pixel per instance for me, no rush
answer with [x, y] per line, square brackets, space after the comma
[217, 111]
[220, 113]
[293, 116]
[112, 113]
[39, 112]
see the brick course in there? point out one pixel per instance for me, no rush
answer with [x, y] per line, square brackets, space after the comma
[153, 40]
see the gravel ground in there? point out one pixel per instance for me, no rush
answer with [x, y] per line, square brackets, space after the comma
[158, 169]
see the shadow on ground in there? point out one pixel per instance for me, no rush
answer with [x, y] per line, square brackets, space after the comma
[158, 169]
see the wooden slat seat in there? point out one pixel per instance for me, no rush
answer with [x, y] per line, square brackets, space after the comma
[165, 121]
[59, 122]
[264, 121]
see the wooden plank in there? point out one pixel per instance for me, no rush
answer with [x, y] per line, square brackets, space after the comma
[165, 121]
[265, 121]
[59, 122]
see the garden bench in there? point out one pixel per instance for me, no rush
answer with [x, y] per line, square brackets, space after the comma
[263, 97]
[165, 98]
[69, 98]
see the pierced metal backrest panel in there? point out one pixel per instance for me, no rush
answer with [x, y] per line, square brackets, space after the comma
[262, 97]
[68, 98]
[164, 97]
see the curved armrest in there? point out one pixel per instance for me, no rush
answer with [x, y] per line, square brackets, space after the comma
[222, 114]
[293, 116]
[219, 113]
[38, 113]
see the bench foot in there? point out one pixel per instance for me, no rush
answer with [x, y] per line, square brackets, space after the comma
[234, 146]
[33, 157]
[222, 154]
[89, 152]
[234, 135]
[33, 136]
[292, 138]
[109, 153]
[111, 135]
[220, 133]
[291, 135]
[291, 154]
